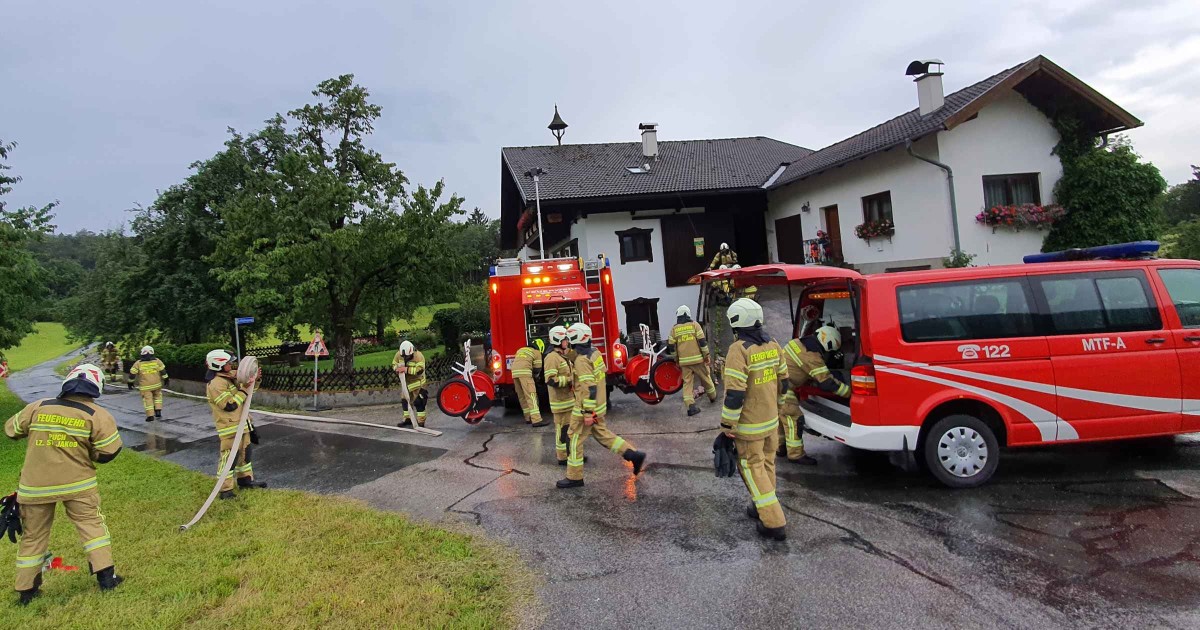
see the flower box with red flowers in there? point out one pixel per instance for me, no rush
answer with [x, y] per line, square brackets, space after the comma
[875, 229]
[1020, 217]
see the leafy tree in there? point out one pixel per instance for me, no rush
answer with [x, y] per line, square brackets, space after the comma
[479, 240]
[109, 303]
[1182, 201]
[1109, 194]
[316, 227]
[1187, 241]
[21, 278]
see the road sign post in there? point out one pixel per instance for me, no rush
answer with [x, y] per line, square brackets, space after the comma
[238, 322]
[316, 350]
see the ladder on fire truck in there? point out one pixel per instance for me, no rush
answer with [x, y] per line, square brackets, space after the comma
[595, 304]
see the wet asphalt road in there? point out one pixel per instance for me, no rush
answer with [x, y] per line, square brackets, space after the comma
[1080, 536]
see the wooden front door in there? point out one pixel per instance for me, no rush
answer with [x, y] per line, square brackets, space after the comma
[789, 240]
[834, 230]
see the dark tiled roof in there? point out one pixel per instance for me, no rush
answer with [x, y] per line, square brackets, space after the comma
[895, 132]
[600, 170]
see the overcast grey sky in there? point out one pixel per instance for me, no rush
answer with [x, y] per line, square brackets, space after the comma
[111, 101]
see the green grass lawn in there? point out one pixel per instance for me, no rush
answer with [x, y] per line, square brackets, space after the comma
[48, 340]
[271, 558]
[421, 318]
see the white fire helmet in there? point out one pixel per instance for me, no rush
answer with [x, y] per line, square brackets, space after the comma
[736, 267]
[407, 348]
[723, 267]
[829, 338]
[724, 246]
[744, 313]
[558, 334]
[147, 350]
[579, 334]
[89, 373]
[108, 344]
[217, 360]
[683, 311]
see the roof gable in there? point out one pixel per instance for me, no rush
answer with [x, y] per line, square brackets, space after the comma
[1040, 80]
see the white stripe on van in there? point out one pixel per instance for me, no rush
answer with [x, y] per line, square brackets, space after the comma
[1130, 401]
[1046, 422]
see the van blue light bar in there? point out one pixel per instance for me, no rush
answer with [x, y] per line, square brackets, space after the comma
[1137, 249]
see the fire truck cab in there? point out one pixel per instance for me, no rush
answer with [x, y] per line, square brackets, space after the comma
[528, 297]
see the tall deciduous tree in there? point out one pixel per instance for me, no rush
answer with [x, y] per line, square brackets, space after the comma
[21, 278]
[1182, 201]
[322, 220]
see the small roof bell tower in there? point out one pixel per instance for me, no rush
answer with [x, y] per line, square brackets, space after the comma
[557, 126]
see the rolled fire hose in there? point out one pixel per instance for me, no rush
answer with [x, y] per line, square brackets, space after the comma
[245, 375]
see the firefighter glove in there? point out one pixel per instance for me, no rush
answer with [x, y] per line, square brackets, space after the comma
[724, 456]
[253, 436]
[10, 517]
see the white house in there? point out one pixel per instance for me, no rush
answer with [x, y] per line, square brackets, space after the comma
[659, 210]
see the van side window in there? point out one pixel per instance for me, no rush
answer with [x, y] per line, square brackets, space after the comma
[949, 311]
[1098, 302]
[1183, 285]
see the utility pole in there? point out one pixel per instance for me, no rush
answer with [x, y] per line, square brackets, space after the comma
[535, 173]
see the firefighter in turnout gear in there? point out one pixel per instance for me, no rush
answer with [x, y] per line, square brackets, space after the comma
[68, 436]
[806, 363]
[110, 360]
[558, 374]
[411, 363]
[690, 348]
[150, 374]
[755, 373]
[225, 398]
[527, 361]
[749, 291]
[724, 259]
[591, 405]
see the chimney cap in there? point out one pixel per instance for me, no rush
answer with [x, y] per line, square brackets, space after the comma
[649, 126]
[921, 66]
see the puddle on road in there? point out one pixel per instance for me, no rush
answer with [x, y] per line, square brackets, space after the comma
[158, 445]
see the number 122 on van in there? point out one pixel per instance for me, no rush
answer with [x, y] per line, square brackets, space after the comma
[972, 351]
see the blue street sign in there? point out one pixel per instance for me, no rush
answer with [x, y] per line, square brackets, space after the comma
[242, 321]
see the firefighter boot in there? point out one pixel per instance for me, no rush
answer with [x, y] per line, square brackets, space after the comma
[637, 457]
[569, 483]
[149, 418]
[108, 578]
[772, 533]
[249, 482]
[158, 414]
[227, 494]
[752, 511]
[693, 410]
[806, 460]
[26, 596]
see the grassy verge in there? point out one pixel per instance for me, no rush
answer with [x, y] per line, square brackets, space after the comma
[272, 558]
[48, 340]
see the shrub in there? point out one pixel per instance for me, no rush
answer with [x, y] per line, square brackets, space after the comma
[190, 355]
[958, 259]
[471, 319]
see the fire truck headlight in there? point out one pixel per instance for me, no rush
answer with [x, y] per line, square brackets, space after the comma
[534, 268]
[528, 281]
[564, 267]
[537, 280]
[546, 279]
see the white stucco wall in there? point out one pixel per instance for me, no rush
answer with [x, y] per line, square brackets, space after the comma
[1009, 136]
[920, 205]
[597, 234]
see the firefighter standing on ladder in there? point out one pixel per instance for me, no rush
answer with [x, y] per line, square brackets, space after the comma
[558, 374]
[527, 361]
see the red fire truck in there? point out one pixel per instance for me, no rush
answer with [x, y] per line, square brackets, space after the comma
[528, 297]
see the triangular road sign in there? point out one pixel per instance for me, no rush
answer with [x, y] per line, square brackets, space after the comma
[317, 348]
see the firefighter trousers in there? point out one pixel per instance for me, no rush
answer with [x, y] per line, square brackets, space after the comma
[756, 463]
[791, 425]
[151, 401]
[33, 548]
[578, 434]
[420, 398]
[562, 425]
[690, 374]
[241, 466]
[528, 397]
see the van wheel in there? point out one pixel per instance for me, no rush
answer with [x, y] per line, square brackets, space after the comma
[961, 451]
